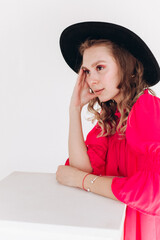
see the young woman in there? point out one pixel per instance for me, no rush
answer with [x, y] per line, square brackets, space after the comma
[120, 158]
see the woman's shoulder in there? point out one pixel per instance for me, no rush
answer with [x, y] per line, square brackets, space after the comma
[144, 106]
[143, 120]
[147, 98]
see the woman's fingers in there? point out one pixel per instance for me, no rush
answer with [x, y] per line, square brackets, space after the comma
[81, 93]
[81, 76]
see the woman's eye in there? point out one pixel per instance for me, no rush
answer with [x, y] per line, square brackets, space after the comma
[99, 68]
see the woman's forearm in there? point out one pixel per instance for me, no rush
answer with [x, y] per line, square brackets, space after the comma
[101, 186]
[73, 177]
[78, 156]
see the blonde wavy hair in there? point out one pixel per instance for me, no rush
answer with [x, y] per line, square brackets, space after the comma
[132, 85]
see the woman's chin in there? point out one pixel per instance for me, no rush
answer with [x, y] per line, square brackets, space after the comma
[103, 99]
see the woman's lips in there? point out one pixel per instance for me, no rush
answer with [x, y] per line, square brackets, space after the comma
[98, 92]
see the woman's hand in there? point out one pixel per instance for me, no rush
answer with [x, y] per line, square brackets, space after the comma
[69, 176]
[81, 93]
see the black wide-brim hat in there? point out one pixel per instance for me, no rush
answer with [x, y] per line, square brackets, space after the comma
[72, 37]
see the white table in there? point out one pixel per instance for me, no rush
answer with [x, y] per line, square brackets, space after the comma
[34, 206]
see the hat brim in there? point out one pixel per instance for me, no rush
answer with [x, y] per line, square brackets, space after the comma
[72, 37]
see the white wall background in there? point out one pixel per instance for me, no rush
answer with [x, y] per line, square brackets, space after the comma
[35, 82]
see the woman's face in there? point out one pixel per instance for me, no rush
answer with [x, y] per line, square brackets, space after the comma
[102, 72]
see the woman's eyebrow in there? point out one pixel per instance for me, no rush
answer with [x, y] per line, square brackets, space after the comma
[95, 63]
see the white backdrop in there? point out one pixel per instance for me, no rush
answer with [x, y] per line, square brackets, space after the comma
[35, 82]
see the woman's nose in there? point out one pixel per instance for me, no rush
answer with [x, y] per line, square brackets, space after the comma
[92, 79]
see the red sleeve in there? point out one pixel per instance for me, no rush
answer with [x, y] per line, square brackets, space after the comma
[142, 190]
[67, 162]
[97, 150]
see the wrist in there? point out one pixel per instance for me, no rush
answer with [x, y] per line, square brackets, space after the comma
[75, 109]
[80, 178]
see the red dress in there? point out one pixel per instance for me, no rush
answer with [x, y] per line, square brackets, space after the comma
[137, 159]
